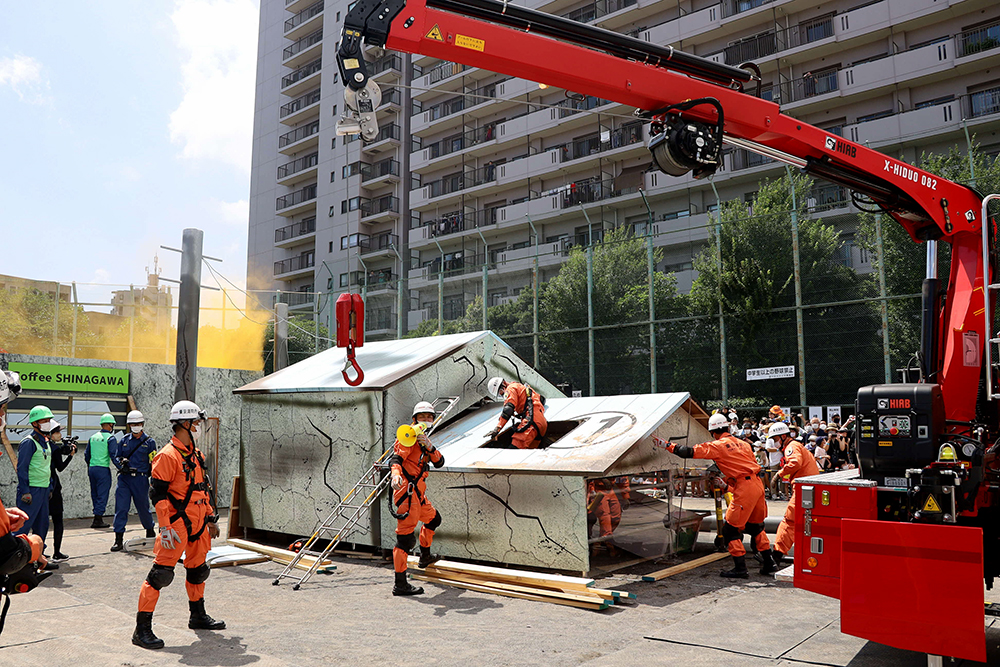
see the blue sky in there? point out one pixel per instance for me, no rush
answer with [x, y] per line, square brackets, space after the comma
[124, 122]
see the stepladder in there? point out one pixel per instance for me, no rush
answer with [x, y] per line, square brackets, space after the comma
[350, 513]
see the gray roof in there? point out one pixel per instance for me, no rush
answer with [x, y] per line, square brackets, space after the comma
[384, 363]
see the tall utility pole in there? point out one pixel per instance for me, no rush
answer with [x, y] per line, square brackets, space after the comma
[188, 305]
[280, 335]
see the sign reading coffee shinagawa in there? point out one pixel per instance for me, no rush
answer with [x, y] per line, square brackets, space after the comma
[49, 377]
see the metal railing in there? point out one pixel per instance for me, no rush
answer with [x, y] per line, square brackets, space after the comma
[296, 198]
[458, 221]
[294, 299]
[295, 166]
[387, 62]
[618, 138]
[303, 16]
[379, 205]
[734, 7]
[302, 44]
[391, 96]
[586, 192]
[462, 141]
[983, 103]
[299, 103]
[295, 230]
[977, 40]
[744, 159]
[462, 181]
[390, 131]
[306, 70]
[298, 134]
[459, 263]
[380, 319]
[771, 42]
[379, 242]
[443, 71]
[796, 90]
[382, 168]
[597, 9]
[462, 102]
[299, 263]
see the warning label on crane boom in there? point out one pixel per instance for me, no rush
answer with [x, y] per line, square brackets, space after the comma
[435, 34]
[469, 43]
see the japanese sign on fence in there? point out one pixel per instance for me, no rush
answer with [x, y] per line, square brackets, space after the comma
[771, 373]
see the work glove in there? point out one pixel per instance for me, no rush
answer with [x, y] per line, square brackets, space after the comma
[424, 443]
[397, 481]
[169, 539]
[492, 435]
[26, 498]
[213, 530]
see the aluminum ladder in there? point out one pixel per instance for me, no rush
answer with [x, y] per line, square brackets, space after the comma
[346, 516]
[991, 340]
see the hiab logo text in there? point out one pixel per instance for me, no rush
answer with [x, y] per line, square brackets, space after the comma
[831, 144]
[834, 144]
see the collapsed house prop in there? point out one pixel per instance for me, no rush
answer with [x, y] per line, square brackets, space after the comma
[307, 437]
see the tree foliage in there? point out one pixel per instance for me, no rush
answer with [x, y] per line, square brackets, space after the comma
[301, 341]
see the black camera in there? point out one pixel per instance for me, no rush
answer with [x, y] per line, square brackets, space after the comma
[25, 579]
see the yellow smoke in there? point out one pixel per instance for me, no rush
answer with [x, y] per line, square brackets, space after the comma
[227, 338]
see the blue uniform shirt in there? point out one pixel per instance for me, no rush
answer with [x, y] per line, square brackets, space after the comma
[136, 451]
[25, 451]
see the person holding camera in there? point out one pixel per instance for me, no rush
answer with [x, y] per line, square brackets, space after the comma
[62, 453]
[133, 457]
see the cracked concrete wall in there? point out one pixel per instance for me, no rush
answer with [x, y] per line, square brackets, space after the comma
[152, 386]
[301, 452]
[535, 520]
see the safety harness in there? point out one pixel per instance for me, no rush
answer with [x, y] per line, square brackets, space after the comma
[191, 463]
[412, 487]
[528, 420]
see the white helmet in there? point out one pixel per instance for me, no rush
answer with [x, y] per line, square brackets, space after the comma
[777, 428]
[135, 417]
[10, 386]
[718, 422]
[495, 387]
[185, 410]
[732, 416]
[50, 426]
[423, 406]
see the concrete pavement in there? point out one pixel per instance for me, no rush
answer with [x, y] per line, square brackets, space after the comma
[85, 614]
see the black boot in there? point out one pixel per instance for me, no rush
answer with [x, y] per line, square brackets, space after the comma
[426, 557]
[778, 557]
[98, 522]
[143, 635]
[118, 546]
[739, 570]
[150, 533]
[403, 587]
[768, 566]
[200, 620]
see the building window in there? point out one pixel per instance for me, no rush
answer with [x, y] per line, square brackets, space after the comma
[333, 143]
[331, 246]
[333, 175]
[352, 241]
[344, 279]
[329, 283]
[334, 109]
[332, 210]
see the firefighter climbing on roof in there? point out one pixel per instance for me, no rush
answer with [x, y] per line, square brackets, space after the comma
[798, 462]
[526, 405]
[747, 510]
[410, 464]
[181, 493]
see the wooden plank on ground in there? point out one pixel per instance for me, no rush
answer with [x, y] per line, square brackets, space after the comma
[275, 553]
[685, 567]
[233, 528]
[507, 575]
[608, 594]
[482, 588]
[472, 579]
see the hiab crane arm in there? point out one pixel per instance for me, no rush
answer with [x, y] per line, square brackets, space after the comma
[905, 543]
[696, 105]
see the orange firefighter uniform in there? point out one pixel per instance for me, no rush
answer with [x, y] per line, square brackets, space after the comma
[523, 402]
[598, 508]
[799, 462]
[183, 516]
[410, 502]
[747, 511]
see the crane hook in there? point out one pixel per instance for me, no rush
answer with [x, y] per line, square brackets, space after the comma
[352, 361]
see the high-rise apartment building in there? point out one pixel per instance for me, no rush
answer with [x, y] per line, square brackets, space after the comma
[473, 167]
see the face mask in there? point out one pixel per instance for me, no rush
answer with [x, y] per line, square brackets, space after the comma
[46, 427]
[136, 429]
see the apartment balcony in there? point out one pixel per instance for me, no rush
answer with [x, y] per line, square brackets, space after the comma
[297, 202]
[299, 139]
[295, 267]
[379, 209]
[755, 49]
[296, 300]
[978, 40]
[303, 50]
[300, 109]
[380, 322]
[454, 108]
[392, 100]
[549, 254]
[384, 243]
[388, 138]
[456, 266]
[446, 76]
[454, 184]
[305, 22]
[295, 233]
[380, 173]
[388, 67]
[296, 171]
[302, 79]
[567, 199]
[452, 223]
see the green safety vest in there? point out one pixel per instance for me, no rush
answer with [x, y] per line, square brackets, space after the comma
[99, 450]
[40, 467]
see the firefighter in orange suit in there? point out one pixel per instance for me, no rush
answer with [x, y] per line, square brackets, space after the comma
[410, 464]
[799, 462]
[747, 510]
[180, 490]
[523, 402]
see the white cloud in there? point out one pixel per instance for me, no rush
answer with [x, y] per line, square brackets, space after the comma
[214, 120]
[23, 74]
[235, 213]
